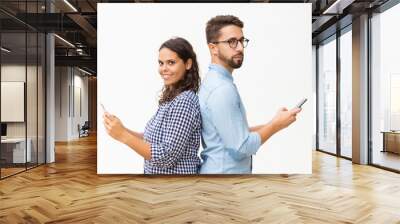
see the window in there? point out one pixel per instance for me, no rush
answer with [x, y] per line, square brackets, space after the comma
[346, 93]
[22, 67]
[327, 96]
[385, 89]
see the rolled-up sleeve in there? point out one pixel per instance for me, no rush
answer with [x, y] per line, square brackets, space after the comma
[177, 130]
[230, 122]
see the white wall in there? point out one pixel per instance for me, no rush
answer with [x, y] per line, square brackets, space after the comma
[276, 72]
[68, 82]
[34, 125]
[61, 103]
[81, 82]
[16, 73]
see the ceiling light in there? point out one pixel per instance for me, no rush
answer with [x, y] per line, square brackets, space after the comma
[86, 72]
[337, 7]
[5, 49]
[70, 5]
[64, 40]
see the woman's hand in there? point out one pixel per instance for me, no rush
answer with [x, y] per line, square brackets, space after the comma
[116, 130]
[114, 126]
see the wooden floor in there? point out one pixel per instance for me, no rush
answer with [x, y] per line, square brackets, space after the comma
[70, 191]
[5, 172]
[387, 159]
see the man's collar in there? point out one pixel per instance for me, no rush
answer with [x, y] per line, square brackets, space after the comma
[221, 70]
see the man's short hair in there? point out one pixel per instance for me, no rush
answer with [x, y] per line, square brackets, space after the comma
[215, 24]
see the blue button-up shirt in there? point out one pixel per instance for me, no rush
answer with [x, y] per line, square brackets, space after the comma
[228, 144]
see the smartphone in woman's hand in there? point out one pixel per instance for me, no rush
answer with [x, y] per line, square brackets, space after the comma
[103, 108]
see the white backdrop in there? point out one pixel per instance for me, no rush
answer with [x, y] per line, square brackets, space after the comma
[276, 72]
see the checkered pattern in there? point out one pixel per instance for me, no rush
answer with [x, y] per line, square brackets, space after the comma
[174, 134]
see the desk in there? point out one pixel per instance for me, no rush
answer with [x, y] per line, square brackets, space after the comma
[16, 147]
[391, 141]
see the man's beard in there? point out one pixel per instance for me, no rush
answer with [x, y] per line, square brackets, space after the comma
[231, 61]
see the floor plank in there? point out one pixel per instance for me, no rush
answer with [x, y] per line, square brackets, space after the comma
[70, 191]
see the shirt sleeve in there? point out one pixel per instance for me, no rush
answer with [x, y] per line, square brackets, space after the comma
[177, 130]
[231, 123]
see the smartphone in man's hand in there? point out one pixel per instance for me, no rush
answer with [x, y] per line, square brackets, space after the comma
[301, 103]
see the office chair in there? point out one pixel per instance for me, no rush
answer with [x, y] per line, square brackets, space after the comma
[84, 130]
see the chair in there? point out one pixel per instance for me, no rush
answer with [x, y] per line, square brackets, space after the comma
[84, 130]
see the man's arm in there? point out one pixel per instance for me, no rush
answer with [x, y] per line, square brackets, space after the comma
[232, 128]
[230, 122]
[256, 128]
[281, 120]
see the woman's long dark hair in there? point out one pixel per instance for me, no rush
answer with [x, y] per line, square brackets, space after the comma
[191, 79]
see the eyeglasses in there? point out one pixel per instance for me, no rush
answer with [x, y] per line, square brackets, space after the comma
[233, 42]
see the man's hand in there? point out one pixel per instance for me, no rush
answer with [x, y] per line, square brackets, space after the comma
[284, 118]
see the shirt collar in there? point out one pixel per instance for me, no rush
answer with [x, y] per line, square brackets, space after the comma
[221, 70]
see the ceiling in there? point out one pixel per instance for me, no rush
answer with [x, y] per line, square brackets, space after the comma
[76, 22]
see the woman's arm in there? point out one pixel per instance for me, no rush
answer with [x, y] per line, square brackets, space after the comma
[137, 134]
[132, 139]
[138, 144]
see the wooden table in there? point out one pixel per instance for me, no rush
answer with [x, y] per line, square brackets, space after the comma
[391, 141]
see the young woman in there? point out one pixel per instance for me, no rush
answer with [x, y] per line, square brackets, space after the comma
[171, 138]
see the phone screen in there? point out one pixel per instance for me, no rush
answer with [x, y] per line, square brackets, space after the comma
[104, 109]
[301, 103]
